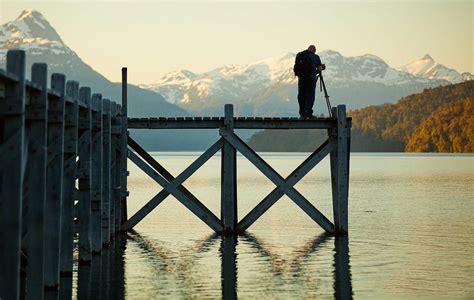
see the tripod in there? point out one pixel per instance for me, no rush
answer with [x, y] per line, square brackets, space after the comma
[322, 87]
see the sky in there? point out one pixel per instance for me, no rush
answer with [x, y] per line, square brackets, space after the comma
[152, 38]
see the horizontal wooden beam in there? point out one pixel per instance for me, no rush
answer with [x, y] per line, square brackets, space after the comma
[239, 123]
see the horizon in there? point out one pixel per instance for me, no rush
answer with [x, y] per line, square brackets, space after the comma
[146, 71]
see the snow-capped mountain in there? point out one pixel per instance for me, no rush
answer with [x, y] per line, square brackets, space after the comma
[428, 68]
[31, 32]
[272, 80]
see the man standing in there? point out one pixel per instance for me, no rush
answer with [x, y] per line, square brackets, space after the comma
[307, 66]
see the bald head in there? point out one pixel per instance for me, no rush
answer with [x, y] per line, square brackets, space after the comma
[312, 48]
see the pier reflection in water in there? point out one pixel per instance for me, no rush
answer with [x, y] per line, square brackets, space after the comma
[178, 274]
[104, 278]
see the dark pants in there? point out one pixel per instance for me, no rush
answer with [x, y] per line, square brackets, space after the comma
[306, 94]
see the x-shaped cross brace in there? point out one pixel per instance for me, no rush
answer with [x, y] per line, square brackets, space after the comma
[173, 186]
[284, 186]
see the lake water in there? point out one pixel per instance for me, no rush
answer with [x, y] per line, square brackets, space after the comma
[411, 223]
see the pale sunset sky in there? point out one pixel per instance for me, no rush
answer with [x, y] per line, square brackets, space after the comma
[152, 38]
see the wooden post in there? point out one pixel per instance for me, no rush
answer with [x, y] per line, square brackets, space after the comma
[12, 135]
[228, 176]
[332, 134]
[54, 183]
[69, 184]
[96, 175]
[342, 172]
[84, 175]
[114, 143]
[123, 158]
[106, 170]
[118, 169]
[35, 187]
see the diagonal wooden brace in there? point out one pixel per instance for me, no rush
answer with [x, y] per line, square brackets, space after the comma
[174, 187]
[279, 181]
[304, 168]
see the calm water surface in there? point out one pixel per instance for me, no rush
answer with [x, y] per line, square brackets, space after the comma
[411, 234]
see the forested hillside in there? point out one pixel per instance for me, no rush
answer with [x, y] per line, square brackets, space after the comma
[449, 129]
[395, 127]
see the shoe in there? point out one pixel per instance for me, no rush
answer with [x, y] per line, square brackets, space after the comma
[311, 117]
[302, 117]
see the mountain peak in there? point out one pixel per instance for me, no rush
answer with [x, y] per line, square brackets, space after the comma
[29, 13]
[31, 24]
[427, 57]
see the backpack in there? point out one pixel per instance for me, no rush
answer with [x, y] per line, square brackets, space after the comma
[303, 66]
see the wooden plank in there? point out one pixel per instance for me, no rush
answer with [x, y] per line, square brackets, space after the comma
[248, 123]
[342, 170]
[106, 168]
[54, 183]
[205, 216]
[157, 199]
[96, 175]
[123, 151]
[304, 168]
[229, 176]
[11, 178]
[85, 191]
[69, 178]
[268, 171]
[35, 184]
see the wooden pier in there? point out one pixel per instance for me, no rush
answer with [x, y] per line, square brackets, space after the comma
[63, 173]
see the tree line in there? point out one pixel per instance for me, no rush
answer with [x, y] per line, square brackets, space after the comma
[436, 120]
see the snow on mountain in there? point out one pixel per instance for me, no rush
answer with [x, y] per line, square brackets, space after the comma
[207, 92]
[428, 68]
[31, 32]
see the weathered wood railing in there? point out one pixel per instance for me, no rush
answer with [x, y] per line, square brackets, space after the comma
[62, 174]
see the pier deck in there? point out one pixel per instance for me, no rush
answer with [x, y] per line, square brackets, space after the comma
[239, 123]
[63, 173]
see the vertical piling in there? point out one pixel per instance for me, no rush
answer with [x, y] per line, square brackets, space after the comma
[123, 151]
[35, 180]
[96, 176]
[115, 175]
[54, 182]
[69, 169]
[12, 135]
[106, 122]
[341, 169]
[229, 176]
[84, 176]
